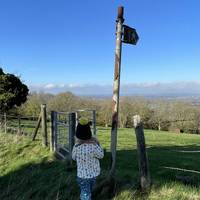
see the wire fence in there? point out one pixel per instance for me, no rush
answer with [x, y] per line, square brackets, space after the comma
[25, 125]
[191, 125]
[18, 124]
[63, 130]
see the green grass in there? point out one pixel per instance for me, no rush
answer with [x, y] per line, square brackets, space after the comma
[29, 171]
[174, 161]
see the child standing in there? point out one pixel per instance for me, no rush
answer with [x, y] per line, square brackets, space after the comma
[86, 152]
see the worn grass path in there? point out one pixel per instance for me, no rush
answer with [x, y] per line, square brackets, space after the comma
[29, 171]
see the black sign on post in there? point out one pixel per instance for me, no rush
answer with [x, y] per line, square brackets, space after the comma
[130, 35]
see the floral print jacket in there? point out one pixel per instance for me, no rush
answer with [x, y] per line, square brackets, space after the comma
[87, 156]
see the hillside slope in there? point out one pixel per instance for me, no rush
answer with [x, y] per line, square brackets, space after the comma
[29, 171]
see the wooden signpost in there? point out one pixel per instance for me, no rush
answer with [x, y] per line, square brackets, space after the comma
[128, 35]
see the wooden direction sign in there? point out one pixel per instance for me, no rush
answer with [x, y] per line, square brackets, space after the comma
[130, 35]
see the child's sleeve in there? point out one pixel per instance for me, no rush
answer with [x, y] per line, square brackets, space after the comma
[74, 153]
[98, 152]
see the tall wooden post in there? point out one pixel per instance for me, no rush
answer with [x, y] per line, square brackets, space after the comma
[72, 130]
[52, 135]
[142, 155]
[55, 128]
[116, 88]
[44, 125]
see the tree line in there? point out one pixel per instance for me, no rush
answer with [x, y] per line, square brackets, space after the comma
[156, 114]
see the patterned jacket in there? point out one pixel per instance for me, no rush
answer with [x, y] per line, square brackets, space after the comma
[87, 156]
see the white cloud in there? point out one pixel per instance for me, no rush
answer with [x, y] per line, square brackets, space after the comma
[151, 88]
[49, 86]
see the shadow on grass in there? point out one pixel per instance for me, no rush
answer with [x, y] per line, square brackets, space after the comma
[167, 164]
[46, 180]
[51, 179]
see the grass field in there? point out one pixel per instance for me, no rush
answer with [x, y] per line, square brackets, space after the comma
[29, 171]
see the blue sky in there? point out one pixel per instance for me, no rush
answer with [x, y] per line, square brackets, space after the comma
[57, 43]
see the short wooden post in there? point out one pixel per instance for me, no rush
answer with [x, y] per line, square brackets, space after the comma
[72, 129]
[52, 132]
[44, 125]
[142, 154]
[94, 121]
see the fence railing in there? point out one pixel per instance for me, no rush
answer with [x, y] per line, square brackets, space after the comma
[27, 125]
[61, 127]
[17, 123]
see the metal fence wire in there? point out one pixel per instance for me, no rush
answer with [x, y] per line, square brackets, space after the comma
[64, 127]
[63, 131]
[11, 123]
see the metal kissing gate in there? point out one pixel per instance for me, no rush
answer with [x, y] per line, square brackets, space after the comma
[62, 133]
[63, 127]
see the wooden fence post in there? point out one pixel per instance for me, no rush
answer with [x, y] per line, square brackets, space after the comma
[142, 155]
[55, 130]
[72, 129]
[94, 122]
[44, 125]
[52, 132]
